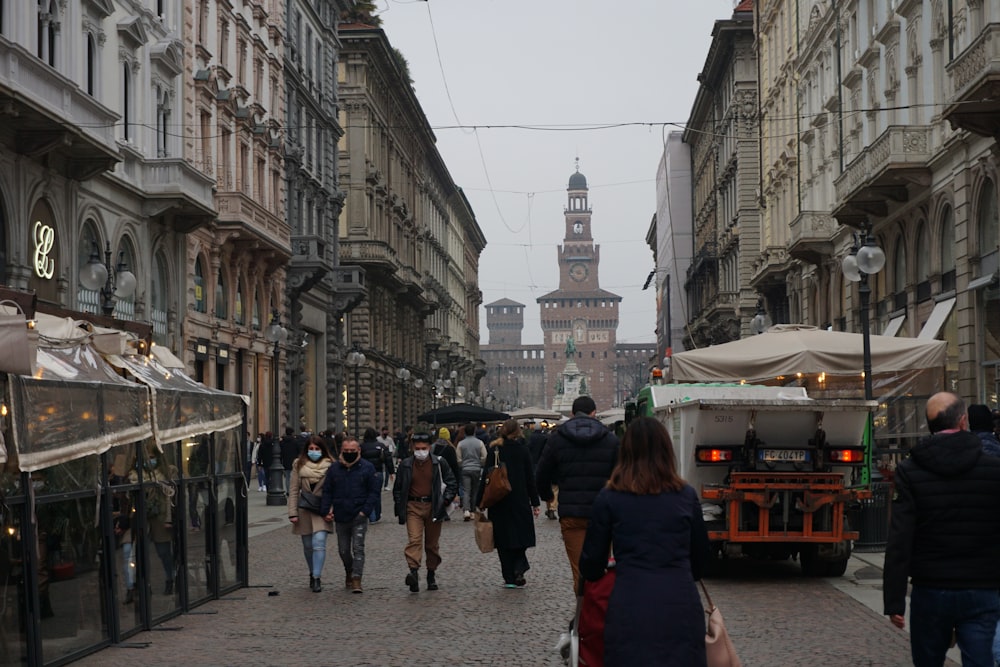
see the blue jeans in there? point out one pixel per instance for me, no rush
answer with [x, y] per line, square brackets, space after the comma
[314, 548]
[935, 612]
[351, 545]
[377, 512]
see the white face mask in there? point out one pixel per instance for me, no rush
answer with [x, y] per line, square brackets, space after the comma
[421, 454]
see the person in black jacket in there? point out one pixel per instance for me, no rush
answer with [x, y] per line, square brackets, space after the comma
[944, 535]
[578, 459]
[443, 448]
[375, 453]
[537, 440]
[291, 448]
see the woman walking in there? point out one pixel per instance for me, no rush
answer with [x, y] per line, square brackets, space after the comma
[308, 474]
[512, 517]
[653, 517]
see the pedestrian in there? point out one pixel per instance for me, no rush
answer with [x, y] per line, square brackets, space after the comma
[578, 459]
[380, 458]
[444, 449]
[537, 440]
[248, 458]
[350, 491]
[513, 516]
[259, 449]
[654, 520]
[308, 472]
[425, 486]
[944, 535]
[390, 451]
[291, 448]
[331, 443]
[401, 438]
[981, 423]
[471, 456]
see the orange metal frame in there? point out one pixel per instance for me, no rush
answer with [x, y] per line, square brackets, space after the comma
[818, 490]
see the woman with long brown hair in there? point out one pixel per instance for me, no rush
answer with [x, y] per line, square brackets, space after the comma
[654, 520]
[308, 475]
[513, 517]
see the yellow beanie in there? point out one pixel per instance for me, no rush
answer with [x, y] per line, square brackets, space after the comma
[444, 433]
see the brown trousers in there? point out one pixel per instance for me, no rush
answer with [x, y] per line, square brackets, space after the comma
[574, 529]
[422, 533]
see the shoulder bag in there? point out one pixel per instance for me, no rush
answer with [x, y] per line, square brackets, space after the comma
[719, 649]
[309, 501]
[496, 485]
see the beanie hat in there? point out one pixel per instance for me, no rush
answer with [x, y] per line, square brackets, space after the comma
[444, 433]
[980, 418]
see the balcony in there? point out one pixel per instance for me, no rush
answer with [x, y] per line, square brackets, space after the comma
[349, 288]
[51, 117]
[974, 104]
[811, 234]
[374, 256]
[883, 172]
[174, 187]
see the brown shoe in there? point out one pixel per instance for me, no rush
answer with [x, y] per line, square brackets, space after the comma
[356, 585]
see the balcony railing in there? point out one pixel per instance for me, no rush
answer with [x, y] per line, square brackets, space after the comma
[972, 79]
[811, 232]
[900, 146]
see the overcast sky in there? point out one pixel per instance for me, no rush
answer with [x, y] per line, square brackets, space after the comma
[566, 64]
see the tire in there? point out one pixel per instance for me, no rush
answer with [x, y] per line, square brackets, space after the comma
[837, 568]
[812, 566]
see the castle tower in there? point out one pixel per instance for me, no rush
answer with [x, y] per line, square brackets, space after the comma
[505, 322]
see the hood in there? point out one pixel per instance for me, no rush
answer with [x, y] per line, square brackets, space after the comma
[583, 429]
[948, 454]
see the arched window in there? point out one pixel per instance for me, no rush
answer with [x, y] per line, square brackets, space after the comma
[159, 301]
[899, 275]
[200, 304]
[48, 19]
[923, 263]
[947, 250]
[255, 316]
[989, 229]
[162, 122]
[221, 296]
[125, 304]
[91, 65]
[88, 300]
[238, 316]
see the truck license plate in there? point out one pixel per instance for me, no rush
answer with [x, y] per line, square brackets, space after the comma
[791, 455]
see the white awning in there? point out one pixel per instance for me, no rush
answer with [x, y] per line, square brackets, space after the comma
[167, 358]
[981, 282]
[942, 309]
[895, 324]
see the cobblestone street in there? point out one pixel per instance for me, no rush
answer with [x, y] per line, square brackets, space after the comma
[774, 614]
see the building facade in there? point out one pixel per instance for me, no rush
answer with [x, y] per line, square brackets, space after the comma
[725, 176]
[412, 231]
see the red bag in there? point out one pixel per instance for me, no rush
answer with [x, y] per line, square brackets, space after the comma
[590, 621]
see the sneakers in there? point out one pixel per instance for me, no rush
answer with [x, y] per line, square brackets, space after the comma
[519, 580]
[356, 585]
[412, 581]
[550, 514]
[468, 515]
[431, 583]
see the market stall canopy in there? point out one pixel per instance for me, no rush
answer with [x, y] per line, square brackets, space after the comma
[611, 417]
[75, 404]
[786, 349]
[182, 407]
[462, 412]
[535, 413]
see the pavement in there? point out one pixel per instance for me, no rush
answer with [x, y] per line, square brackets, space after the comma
[775, 615]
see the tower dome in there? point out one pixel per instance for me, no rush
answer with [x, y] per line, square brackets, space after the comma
[577, 181]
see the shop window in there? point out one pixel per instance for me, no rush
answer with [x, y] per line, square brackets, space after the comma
[221, 296]
[125, 305]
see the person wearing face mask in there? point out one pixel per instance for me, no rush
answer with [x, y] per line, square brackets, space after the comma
[308, 474]
[350, 490]
[425, 486]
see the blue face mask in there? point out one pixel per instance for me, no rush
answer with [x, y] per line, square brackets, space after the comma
[314, 454]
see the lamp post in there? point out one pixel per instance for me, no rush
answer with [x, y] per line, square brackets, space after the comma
[118, 282]
[277, 334]
[517, 390]
[417, 384]
[453, 385]
[356, 359]
[865, 259]
[404, 375]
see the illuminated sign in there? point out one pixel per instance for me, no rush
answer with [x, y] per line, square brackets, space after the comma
[44, 237]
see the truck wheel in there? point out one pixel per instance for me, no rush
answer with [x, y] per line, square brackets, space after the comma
[837, 568]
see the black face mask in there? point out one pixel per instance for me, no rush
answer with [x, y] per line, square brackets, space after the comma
[350, 457]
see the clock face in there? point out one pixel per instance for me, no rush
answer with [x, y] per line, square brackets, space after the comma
[578, 272]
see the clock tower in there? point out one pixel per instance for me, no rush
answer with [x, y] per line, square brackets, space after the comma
[579, 310]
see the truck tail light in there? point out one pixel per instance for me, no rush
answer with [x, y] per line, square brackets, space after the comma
[847, 455]
[713, 455]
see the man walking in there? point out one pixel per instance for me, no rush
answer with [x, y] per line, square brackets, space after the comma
[536, 445]
[944, 535]
[421, 504]
[471, 456]
[291, 447]
[578, 459]
[349, 493]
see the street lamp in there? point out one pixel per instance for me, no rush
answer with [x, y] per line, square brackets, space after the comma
[404, 375]
[356, 359]
[865, 259]
[96, 275]
[277, 334]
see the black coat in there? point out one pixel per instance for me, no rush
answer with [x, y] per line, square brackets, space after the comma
[578, 459]
[536, 445]
[654, 615]
[378, 455]
[944, 530]
[444, 449]
[444, 488]
[291, 449]
[513, 522]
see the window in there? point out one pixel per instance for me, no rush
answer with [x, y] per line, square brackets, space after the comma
[91, 65]
[241, 61]
[202, 21]
[162, 120]
[48, 19]
[221, 296]
[258, 79]
[159, 304]
[199, 287]
[87, 300]
[947, 250]
[125, 305]
[989, 229]
[244, 169]
[238, 312]
[126, 102]
[255, 316]
[224, 46]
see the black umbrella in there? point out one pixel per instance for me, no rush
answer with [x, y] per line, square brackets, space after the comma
[462, 412]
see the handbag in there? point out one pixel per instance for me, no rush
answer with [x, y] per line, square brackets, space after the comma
[309, 501]
[484, 533]
[719, 649]
[496, 485]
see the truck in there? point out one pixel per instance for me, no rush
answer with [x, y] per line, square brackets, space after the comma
[775, 469]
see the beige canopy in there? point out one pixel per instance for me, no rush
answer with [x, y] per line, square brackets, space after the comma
[786, 349]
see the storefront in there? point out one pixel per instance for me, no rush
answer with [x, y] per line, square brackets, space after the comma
[122, 498]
